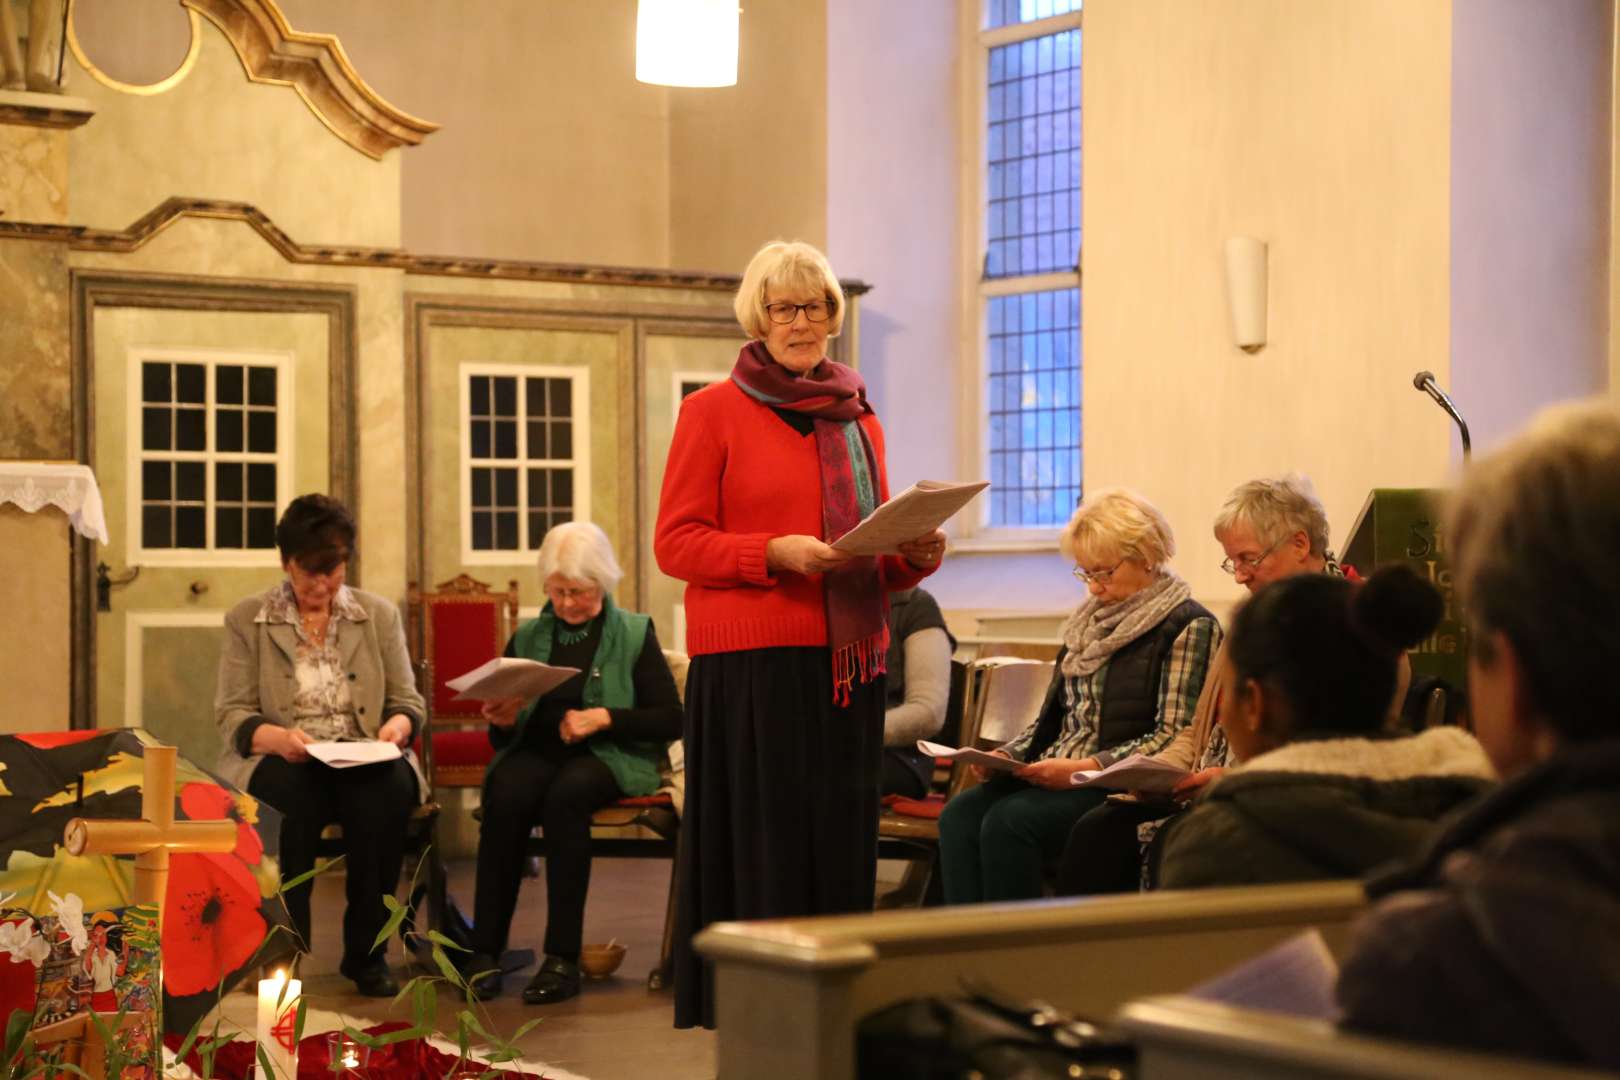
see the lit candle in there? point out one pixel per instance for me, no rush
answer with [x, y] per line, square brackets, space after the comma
[278, 1011]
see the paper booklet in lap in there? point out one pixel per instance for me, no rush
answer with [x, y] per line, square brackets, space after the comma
[1135, 773]
[346, 755]
[972, 757]
[916, 511]
[509, 677]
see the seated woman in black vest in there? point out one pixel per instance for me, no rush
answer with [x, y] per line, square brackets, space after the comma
[1134, 658]
[1320, 790]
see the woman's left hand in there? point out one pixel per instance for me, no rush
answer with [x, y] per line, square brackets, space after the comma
[396, 729]
[926, 551]
[580, 724]
[1054, 774]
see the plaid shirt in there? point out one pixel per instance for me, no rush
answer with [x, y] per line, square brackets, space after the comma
[1180, 682]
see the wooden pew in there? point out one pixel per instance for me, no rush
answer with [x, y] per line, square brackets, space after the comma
[790, 992]
[1182, 1038]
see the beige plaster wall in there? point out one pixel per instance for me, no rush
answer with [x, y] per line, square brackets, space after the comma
[36, 376]
[748, 164]
[1322, 128]
[1531, 139]
[217, 136]
[35, 555]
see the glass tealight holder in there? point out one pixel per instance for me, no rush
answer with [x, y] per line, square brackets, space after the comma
[345, 1056]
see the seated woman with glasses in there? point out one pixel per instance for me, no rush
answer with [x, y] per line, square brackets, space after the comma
[1134, 659]
[1270, 529]
[598, 737]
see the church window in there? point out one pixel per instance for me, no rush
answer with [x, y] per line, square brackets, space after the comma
[212, 452]
[1028, 317]
[525, 453]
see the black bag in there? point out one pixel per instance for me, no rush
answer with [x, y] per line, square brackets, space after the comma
[986, 1035]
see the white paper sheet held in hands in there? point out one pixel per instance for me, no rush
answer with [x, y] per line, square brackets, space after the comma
[346, 755]
[916, 511]
[972, 757]
[509, 677]
[1135, 773]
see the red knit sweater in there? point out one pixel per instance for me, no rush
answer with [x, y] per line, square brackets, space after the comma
[737, 477]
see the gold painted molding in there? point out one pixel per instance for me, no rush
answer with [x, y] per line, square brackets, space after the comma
[136, 236]
[168, 83]
[27, 108]
[316, 66]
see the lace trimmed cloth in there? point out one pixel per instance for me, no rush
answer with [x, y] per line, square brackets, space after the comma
[72, 489]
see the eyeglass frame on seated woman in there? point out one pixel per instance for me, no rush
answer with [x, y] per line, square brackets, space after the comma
[560, 595]
[773, 310]
[1244, 562]
[1101, 577]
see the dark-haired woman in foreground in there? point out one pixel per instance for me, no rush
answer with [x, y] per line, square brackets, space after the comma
[1321, 793]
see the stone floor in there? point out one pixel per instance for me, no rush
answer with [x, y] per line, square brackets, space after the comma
[616, 1029]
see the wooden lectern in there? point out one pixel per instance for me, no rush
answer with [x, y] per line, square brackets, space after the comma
[1406, 525]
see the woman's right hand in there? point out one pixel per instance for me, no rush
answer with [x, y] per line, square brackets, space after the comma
[287, 743]
[502, 712]
[980, 773]
[803, 555]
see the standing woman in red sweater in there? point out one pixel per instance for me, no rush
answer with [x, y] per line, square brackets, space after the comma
[784, 698]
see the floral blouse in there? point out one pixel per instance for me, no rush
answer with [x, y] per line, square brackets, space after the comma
[323, 708]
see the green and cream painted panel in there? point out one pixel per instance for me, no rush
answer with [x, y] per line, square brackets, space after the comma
[158, 648]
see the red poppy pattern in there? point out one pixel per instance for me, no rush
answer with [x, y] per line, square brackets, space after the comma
[211, 921]
[210, 802]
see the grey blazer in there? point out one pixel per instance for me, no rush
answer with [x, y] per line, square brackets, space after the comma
[257, 680]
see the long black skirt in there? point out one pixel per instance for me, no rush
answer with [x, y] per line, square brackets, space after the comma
[781, 800]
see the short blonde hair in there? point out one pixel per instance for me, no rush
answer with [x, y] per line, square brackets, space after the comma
[794, 267]
[1118, 524]
[1276, 508]
[1534, 529]
[580, 551]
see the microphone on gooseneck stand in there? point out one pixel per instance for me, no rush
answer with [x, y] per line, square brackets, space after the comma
[1424, 381]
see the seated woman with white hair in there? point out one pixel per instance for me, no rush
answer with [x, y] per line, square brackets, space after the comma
[596, 738]
[1134, 658]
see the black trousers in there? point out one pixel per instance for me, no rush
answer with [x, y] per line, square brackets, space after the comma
[781, 800]
[373, 805]
[1103, 854]
[559, 794]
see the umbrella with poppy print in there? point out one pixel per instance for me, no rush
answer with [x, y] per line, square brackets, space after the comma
[220, 909]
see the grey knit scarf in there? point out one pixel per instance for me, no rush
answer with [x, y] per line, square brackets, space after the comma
[1096, 631]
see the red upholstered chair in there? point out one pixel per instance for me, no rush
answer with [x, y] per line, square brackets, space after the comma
[457, 626]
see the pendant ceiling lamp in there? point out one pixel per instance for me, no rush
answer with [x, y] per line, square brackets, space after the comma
[686, 42]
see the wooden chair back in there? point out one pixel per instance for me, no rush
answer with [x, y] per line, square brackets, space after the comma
[456, 626]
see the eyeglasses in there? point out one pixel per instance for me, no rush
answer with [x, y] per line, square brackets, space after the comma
[815, 311]
[1248, 563]
[561, 596]
[1101, 577]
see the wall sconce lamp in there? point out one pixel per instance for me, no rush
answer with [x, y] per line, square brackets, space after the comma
[1246, 291]
[686, 42]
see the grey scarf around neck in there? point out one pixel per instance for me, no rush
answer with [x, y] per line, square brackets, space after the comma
[1096, 631]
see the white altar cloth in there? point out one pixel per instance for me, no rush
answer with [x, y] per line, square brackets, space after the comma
[34, 485]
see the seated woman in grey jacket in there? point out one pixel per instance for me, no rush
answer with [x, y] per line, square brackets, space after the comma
[313, 660]
[918, 690]
[1321, 792]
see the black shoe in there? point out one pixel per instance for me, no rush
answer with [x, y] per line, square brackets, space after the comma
[482, 973]
[557, 980]
[372, 979]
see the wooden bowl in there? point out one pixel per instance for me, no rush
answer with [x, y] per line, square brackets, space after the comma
[600, 961]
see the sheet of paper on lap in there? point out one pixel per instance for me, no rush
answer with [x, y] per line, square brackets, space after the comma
[916, 511]
[509, 677]
[972, 757]
[346, 755]
[1135, 773]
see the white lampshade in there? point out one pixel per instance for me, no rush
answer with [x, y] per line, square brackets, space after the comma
[686, 42]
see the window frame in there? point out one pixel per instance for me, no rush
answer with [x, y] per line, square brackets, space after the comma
[285, 457]
[975, 531]
[580, 395]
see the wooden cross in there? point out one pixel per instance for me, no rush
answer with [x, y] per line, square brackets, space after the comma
[152, 838]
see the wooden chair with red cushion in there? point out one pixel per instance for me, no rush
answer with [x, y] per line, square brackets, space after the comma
[457, 626]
